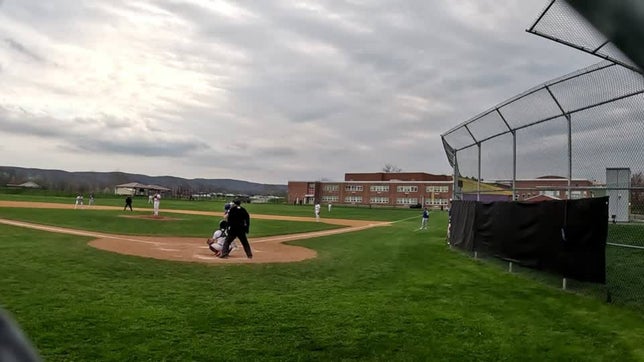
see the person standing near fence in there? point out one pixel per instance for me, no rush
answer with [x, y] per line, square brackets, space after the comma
[238, 227]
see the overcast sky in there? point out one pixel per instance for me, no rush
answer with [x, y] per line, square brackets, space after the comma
[263, 91]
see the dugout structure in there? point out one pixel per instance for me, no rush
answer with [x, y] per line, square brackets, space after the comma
[572, 128]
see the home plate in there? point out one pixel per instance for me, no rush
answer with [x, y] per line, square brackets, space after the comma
[166, 249]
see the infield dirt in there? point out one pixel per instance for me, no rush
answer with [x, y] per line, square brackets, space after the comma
[265, 249]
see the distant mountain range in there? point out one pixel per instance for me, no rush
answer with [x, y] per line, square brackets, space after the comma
[59, 180]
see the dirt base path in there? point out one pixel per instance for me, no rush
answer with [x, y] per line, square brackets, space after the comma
[265, 249]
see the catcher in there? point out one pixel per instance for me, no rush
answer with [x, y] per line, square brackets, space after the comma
[216, 243]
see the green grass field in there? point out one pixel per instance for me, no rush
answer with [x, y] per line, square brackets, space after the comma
[218, 207]
[382, 294]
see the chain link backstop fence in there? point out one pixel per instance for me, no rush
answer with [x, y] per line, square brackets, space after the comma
[576, 136]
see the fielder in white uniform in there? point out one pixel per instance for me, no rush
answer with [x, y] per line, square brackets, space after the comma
[157, 201]
[79, 201]
[317, 212]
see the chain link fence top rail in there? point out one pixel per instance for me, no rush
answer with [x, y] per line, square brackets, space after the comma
[604, 105]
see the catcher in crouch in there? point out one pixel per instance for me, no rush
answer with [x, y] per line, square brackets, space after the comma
[216, 243]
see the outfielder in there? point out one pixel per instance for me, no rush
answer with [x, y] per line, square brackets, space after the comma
[423, 223]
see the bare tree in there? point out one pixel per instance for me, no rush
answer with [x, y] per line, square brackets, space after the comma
[391, 168]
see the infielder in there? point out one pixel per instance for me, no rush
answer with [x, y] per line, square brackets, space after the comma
[157, 201]
[79, 201]
[317, 211]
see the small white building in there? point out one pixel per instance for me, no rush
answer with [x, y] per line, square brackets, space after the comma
[138, 189]
[26, 185]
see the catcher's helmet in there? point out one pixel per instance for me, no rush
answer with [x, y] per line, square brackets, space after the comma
[223, 224]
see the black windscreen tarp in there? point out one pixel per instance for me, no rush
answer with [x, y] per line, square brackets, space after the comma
[567, 237]
[462, 218]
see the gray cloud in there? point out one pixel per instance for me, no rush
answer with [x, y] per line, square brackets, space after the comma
[146, 148]
[23, 50]
[287, 90]
[105, 135]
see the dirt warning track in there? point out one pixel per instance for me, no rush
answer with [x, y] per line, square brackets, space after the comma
[265, 249]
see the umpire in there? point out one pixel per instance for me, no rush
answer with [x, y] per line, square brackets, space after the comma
[238, 227]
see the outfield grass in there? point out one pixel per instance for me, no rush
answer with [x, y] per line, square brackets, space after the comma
[341, 212]
[627, 234]
[116, 222]
[390, 293]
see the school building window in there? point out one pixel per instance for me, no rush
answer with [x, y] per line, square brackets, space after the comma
[549, 193]
[379, 188]
[331, 188]
[353, 188]
[353, 199]
[431, 189]
[407, 189]
[330, 198]
[379, 200]
[406, 201]
[436, 202]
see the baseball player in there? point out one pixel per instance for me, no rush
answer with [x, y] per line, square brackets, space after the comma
[128, 203]
[423, 223]
[156, 202]
[79, 201]
[216, 243]
[317, 211]
[227, 209]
